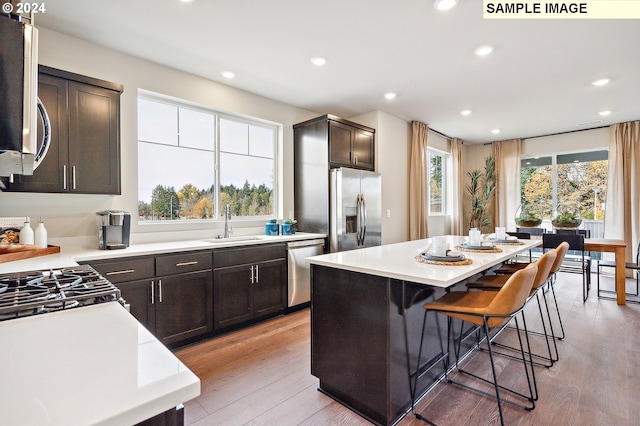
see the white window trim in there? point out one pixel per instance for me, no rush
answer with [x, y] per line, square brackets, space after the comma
[446, 157]
[245, 221]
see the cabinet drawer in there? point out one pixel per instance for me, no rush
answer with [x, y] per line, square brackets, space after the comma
[127, 269]
[252, 254]
[182, 263]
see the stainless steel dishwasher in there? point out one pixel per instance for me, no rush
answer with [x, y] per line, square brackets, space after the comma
[299, 271]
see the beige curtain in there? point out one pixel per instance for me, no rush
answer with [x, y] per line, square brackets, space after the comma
[507, 192]
[457, 213]
[622, 217]
[418, 169]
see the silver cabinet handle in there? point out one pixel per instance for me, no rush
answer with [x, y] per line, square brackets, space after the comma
[194, 262]
[257, 279]
[73, 177]
[153, 292]
[64, 176]
[124, 271]
[252, 279]
[160, 291]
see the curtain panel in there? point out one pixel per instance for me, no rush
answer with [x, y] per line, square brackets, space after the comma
[418, 170]
[622, 218]
[457, 205]
[507, 193]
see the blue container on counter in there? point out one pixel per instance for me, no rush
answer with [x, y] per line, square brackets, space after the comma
[271, 227]
[287, 227]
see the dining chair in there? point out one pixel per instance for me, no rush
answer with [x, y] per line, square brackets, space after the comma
[496, 282]
[520, 259]
[532, 231]
[612, 264]
[489, 311]
[570, 261]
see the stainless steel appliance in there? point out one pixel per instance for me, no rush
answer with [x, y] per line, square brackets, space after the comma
[356, 209]
[37, 292]
[114, 229]
[18, 97]
[299, 270]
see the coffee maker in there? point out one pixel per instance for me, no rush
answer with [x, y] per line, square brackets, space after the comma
[114, 228]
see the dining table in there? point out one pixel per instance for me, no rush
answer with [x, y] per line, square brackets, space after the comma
[618, 247]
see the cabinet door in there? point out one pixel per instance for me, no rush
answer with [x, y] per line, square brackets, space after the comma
[138, 295]
[232, 295]
[183, 305]
[94, 157]
[340, 136]
[270, 287]
[362, 148]
[48, 177]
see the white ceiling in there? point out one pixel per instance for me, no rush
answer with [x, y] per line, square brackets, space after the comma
[536, 82]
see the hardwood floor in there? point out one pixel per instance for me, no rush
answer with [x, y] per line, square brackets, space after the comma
[261, 375]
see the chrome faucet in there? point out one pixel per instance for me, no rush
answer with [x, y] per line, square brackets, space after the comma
[227, 217]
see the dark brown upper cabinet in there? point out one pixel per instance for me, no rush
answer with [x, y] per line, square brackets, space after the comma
[84, 154]
[345, 143]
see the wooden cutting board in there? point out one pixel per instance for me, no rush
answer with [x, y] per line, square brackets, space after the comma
[24, 251]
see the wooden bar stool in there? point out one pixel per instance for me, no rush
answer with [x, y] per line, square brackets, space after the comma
[496, 282]
[488, 310]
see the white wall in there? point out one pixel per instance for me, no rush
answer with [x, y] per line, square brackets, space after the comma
[74, 214]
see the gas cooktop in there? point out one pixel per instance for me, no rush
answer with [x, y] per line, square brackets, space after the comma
[37, 292]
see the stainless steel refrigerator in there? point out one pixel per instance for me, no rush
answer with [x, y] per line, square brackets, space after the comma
[355, 209]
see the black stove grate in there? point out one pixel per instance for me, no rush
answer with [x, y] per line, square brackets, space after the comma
[37, 292]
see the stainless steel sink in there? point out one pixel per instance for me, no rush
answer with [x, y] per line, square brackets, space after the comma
[232, 239]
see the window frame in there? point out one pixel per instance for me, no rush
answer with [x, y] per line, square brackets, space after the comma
[444, 184]
[561, 158]
[276, 128]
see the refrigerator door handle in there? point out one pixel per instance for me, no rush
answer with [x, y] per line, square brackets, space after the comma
[364, 218]
[359, 220]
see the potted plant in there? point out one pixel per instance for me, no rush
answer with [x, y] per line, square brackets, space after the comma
[527, 218]
[482, 184]
[566, 218]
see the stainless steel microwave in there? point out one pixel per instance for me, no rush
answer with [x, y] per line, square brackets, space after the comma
[18, 96]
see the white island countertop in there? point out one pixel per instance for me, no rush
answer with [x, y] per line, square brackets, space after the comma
[89, 365]
[398, 261]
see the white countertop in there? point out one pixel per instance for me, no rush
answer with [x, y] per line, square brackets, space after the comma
[89, 365]
[398, 261]
[70, 254]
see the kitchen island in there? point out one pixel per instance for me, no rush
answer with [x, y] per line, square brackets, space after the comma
[366, 321]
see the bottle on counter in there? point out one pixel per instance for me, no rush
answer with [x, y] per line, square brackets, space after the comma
[40, 238]
[26, 233]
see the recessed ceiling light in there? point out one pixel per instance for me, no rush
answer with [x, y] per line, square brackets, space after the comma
[600, 82]
[444, 4]
[228, 74]
[483, 50]
[390, 95]
[604, 113]
[465, 112]
[186, 1]
[495, 131]
[318, 60]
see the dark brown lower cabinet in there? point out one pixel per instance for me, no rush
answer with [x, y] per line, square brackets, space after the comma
[249, 283]
[187, 296]
[183, 305]
[176, 306]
